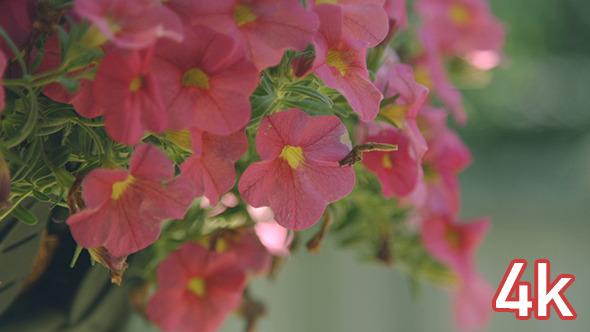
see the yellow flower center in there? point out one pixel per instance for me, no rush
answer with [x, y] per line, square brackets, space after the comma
[243, 14]
[136, 83]
[430, 174]
[335, 59]
[196, 77]
[197, 286]
[396, 113]
[293, 155]
[422, 76]
[120, 186]
[453, 238]
[319, 2]
[182, 138]
[387, 163]
[459, 14]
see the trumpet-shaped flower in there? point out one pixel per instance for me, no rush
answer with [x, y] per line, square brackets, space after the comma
[447, 155]
[398, 79]
[265, 28]
[454, 244]
[471, 304]
[131, 24]
[211, 167]
[127, 90]
[432, 73]
[397, 13]
[341, 64]
[460, 27]
[125, 209]
[299, 174]
[398, 171]
[198, 288]
[251, 254]
[361, 19]
[205, 81]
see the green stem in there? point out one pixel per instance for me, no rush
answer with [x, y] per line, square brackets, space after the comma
[15, 50]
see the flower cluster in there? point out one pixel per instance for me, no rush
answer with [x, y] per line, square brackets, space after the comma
[207, 132]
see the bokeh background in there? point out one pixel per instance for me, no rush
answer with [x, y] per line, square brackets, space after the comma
[529, 132]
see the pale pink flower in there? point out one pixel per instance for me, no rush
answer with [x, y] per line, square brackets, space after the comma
[460, 27]
[131, 24]
[211, 167]
[205, 81]
[265, 28]
[127, 90]
[299, 174]
[364, 20]
[341, 64]
[198, 288]
[124, 210]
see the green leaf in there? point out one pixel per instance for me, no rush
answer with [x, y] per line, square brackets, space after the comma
[23, 215]
[260, 106]
[309, 106]
[64, 39]
[60, 156]
[388, 101]
[76, 255]
[309, 92]
[70, 84]
[41, 196]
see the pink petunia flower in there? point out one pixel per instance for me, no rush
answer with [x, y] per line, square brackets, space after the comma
[433, 74]
[2, 93]
[454, 244]
[398, 171]
[471, 304]
[299, 174]
[340, 63]
[205, 81]
[273, 236]
[211, 167]
[127, 90]
[125, 209]
[83, 98]
[198, 288]
[398, 79]
[253, 257]
[398, 15]
[265, 28]
[131, 24]
[446, 157]
[460, 27]
[364, 20]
